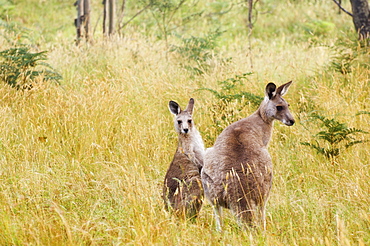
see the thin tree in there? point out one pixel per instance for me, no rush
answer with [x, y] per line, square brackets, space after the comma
[82, 22]
[121, 15]
[112, 16]
[250, 27]
[87, 19]
[109, 17]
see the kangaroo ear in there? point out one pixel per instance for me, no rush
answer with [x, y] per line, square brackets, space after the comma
[174, 107]
[283, 89]
[270, 90]
[190, 106]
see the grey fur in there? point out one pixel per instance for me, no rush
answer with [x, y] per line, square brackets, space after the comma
[237, 172]
[182, 189]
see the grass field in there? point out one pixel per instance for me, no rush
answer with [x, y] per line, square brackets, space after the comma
[82, 163]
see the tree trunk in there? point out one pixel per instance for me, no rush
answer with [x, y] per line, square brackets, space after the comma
[87, 19]
[82, 22]
[78, 20]
[361, 18]
[106, 3]
[109, 17]
[112, 16]
[120, 17]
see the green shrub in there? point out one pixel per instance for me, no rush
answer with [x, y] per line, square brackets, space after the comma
[231, 89]
[348, 55]
[5, 6]
[197, 51]
[169, 15]
[334, 138]
[230, 102]
[20, 68]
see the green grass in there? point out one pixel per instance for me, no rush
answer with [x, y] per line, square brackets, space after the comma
[83, 163]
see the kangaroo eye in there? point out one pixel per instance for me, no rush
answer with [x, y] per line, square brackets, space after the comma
[279, 108]
[189, 121]
[179, 122]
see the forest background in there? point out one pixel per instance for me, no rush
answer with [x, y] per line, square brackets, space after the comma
[86, 134]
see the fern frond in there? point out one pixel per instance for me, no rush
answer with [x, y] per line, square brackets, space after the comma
[353, 143]
[362, 112]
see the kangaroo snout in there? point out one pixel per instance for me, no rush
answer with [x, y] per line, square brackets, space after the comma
[289, 122]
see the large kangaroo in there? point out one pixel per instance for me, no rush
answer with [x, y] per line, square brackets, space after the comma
[237, 171]
[183, 189]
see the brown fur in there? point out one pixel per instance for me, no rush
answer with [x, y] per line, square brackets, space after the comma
[237, 172]
[182, 190]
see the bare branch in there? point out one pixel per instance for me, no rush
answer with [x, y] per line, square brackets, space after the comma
[121, 14]
[340, 6]
[133, 17]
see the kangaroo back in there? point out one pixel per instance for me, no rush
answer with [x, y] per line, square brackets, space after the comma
[237, 172]
[182, 190]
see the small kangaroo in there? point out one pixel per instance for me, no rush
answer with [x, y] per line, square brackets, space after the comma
[183, 189]
[237, 172]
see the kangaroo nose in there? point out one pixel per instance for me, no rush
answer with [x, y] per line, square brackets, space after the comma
[186, 130]
[291, 122]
